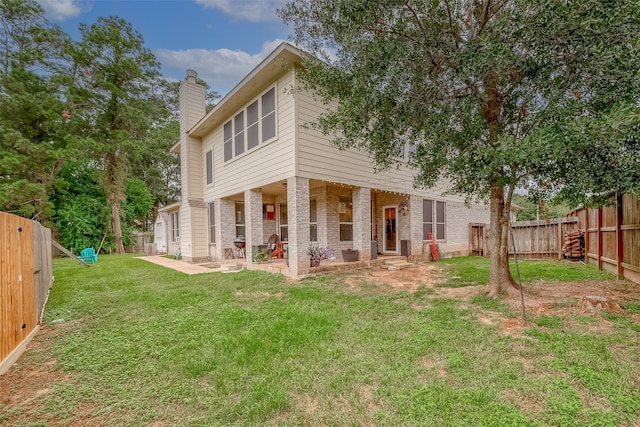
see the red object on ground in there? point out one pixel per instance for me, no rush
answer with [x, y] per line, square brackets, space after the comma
[434, 248]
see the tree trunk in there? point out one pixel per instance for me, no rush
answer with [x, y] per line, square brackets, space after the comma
[117, 229]
[500, 280]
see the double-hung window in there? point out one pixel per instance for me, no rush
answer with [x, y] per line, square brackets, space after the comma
[253, 125]
[313, 220]
[209, 167]
[433, 219]
[284, 223]
[253, 128]
[228, 141]
[175, 227]
[345, 210]
[238, 130]
[240, 220]
[269, 115]
[212, 223]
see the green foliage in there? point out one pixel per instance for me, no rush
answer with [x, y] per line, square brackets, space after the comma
[487, 92]
[99, 105]
[490, 95]
[117, 86]
[152, 162]
[533, 209]
[139, 203]
[33, 134]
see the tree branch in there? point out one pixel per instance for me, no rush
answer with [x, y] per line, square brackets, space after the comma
[453, 31]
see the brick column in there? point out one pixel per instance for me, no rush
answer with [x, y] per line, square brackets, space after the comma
[321, 206]
[298, 221]
[332, 218]
[253, 222]
[361, 197]
[415, 216]
[227, 225]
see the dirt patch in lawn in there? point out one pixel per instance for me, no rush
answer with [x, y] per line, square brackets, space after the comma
[25, 387]
[541, 299]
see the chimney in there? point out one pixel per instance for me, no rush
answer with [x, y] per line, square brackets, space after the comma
[192, 76]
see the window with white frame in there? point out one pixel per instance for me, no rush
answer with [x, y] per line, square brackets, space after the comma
[433, 219]
[240, 224]
[255, 124]
[175, 227]
[440, 220]
[238, 133]
[284, 223]
[345, 211]
[313, 220]
[269, 114]
[228, 141]
[209, 167]
[253, 128]
[212, 223]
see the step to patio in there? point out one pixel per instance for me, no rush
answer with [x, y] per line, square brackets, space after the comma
[231, 268]
[398, 264]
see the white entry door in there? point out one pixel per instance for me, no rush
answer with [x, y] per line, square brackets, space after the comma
[390, 234]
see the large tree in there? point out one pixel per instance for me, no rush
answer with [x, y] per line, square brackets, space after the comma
[490, 93]
[33, 133]
[118, 100]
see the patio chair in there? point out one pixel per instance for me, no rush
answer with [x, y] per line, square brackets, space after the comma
[88, 255]
[275, 247]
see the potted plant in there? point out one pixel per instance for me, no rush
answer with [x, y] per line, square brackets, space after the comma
[350, 255]
[318, 254]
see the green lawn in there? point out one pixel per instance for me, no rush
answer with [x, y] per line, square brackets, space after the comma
[136, 344]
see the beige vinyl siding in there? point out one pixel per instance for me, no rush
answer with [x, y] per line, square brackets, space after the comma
[200, 224]
[196, 168]
[262, 165]
[185, 232]
[319, 159]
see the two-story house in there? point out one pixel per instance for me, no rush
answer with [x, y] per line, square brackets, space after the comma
[251, 169]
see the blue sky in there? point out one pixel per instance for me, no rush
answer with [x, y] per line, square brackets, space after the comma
[221, 39]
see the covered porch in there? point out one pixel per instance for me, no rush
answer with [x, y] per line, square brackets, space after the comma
[298, 213]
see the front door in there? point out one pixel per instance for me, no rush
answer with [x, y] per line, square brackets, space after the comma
[390, 213]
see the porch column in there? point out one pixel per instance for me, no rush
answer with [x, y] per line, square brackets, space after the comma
[321, 208]
[298, 212]
[253, 222]
[362, 222]
[227, 226]
[415, 218]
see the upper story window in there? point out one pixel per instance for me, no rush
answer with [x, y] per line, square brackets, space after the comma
[252, 126]
[209, 167]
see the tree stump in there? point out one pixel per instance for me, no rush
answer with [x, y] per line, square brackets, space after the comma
[596, 304]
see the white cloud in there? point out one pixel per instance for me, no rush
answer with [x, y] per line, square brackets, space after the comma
[61, 10]
[247, 10]
[222, 69]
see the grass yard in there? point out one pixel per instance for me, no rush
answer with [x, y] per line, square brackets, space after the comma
[127, 342]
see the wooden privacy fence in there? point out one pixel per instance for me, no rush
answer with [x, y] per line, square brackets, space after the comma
[612, 236]
[534, 239]
[26, 276]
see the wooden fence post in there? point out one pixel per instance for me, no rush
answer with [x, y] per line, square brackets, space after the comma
[559, 225]
[587, 246]
[619, 241]
[599, 239]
